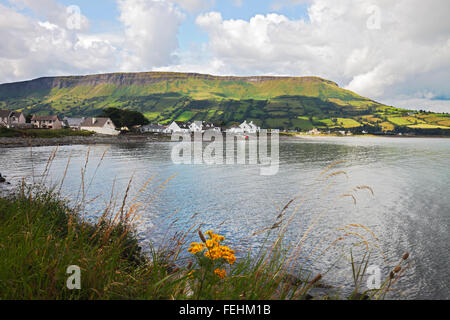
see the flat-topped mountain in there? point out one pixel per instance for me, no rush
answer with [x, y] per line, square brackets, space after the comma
[270, 101]
[191, 84]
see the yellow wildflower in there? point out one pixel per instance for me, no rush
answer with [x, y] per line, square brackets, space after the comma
[221, 273]
[196, 247]
[213, 249]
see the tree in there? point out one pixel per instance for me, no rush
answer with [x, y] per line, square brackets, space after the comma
[124, 118]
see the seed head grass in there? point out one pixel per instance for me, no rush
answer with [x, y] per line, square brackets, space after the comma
[41, 235]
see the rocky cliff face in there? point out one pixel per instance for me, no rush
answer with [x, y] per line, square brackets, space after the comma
[139, 79]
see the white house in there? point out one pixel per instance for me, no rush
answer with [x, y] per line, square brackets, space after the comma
[245, 127]
[235, 130]
[196, 126]
[249, 127]
[100, 125]
[253, 128]
[175, 127]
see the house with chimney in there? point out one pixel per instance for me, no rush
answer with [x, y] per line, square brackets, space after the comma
[46, 122]
[11, 119]
[103, 126]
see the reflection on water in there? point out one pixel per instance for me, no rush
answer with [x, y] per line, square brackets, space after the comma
[409, 212]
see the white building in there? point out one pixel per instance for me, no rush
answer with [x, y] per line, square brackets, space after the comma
[253, 128]
[235, 130]
[100, 125]
[175, 127]
[196, 126]
[244, 128]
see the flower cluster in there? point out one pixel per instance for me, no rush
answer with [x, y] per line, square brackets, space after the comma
[196, 248]
[213, 250]
[221, 273]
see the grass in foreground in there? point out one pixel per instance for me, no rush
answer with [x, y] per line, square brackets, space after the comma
[40, 237]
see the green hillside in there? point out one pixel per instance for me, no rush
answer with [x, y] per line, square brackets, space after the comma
[272, 102]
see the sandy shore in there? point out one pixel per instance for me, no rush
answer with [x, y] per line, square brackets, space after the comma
[40, 142]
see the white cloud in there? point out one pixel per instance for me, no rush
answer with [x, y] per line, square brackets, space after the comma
[52, 11]
[398, 52]
[340, 41]
[151, 29]
[420, 104]
[44, 43]
[32, 48]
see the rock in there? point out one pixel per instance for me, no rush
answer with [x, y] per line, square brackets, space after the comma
[2, 180]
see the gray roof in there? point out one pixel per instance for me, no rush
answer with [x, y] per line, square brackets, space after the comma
[99, 122]
[5, 113]
[73, 122]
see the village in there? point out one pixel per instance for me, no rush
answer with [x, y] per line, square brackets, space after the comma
[105, 126]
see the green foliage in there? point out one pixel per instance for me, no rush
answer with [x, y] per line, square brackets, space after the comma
[44, 237]
[124, 118]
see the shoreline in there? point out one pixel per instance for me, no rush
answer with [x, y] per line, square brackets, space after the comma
[18, 142]
[307, 136]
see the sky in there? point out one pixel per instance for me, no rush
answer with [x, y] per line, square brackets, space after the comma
[395, 52]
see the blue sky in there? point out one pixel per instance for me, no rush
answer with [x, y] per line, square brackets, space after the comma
[396, 52]
[103, 15]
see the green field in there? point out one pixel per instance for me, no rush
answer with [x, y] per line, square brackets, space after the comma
[186, 116]
[428, 126]
[400, 121]
[347, 123]
[274, 102]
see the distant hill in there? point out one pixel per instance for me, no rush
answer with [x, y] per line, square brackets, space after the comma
[272, 102]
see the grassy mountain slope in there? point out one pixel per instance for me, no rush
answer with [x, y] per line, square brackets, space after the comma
[273, 102]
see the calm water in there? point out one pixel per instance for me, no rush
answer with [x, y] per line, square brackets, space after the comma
[410, 211]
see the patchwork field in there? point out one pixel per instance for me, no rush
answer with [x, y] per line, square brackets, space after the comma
[299, 103]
